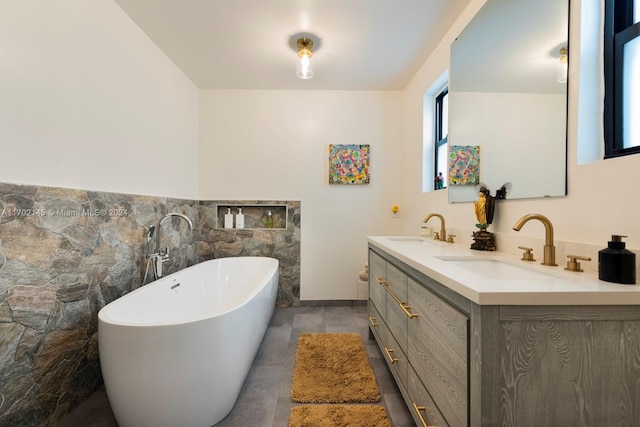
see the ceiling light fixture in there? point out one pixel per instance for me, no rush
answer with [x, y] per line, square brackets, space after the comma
[304, 70]
[562, 68]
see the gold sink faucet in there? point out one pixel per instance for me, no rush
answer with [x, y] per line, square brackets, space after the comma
[549, 257]
[443, 230]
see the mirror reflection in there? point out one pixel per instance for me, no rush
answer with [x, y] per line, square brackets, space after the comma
[508, 96]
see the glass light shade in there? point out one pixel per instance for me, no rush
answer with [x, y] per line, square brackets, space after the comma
[562, 69]
[304, 68]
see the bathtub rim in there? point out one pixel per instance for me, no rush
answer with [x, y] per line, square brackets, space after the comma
[105, 318]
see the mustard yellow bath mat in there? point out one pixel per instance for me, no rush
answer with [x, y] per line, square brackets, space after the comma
[339, 416]
[333, 368]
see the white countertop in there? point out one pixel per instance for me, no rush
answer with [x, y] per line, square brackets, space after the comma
[523, 283]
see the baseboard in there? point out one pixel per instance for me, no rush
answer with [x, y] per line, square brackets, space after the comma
[333, 303]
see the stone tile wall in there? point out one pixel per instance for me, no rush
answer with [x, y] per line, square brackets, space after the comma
[65, 253]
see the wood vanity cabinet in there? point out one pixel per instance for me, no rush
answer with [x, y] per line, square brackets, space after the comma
[459, 364]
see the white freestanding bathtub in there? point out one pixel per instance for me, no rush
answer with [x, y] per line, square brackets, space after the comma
[177, 351]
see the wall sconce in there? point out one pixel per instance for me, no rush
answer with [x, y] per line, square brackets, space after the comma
[562, 68]
[304, 70]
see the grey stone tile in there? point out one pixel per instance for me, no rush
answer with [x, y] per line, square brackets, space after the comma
[397, 410]
[283, 317]
[338, 315]
[311, 319]
[274, 346]
[283, 409]
[264, 376]
[95, 411]
[287, 373]
[258, 398]
[105, 419]
[307, 320]
[311, 309]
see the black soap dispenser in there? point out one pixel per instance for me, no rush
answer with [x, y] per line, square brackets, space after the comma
[617, 264]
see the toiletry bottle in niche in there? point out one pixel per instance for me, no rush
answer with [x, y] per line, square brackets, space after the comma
[240, 219]
[228, 219]
[268, 222]
[617, 264]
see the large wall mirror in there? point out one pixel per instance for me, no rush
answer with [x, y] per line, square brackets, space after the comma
[505, 96]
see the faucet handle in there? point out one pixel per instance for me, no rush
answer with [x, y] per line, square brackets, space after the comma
[573, 264]
[450, 238]
[527, 255]
[436, 235]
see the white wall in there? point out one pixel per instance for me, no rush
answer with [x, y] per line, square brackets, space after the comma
[87, 101]
[273, 145]
[602, 199]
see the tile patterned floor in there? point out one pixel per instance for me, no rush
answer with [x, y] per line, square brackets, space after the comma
[264, 400]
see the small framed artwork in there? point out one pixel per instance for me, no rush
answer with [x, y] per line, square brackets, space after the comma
[349, 163]
[464, 165]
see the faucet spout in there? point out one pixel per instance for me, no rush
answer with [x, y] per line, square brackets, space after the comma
[549, 248]
[179, 215]
[166, 217]
[161, 256]
[443, 230]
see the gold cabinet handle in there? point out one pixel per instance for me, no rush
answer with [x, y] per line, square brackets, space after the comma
[406, 308]
[418, 410]
[391, 358]
[373, 322]
[381, 281]
[403, 305]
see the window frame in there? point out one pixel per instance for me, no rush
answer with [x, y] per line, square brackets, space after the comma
[619, 29]
[439, 140]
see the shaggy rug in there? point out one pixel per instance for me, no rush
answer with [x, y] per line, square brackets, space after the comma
[338, 416]
[333, 368]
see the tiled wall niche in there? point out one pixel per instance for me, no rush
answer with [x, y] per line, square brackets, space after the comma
[66, 253]
[255, 215]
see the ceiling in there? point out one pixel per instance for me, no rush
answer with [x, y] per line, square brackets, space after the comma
[249, 44]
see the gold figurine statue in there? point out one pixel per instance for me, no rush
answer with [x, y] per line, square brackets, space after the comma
[481, 208]
[484, 207]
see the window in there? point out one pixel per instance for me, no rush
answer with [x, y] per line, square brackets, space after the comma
[441, 135]
[622, 77]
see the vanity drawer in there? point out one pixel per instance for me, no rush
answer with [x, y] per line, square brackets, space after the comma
[396, 359]
[397, 281]
[377, 292]
[377, 265]
[380, 331]
[422, 407]
[438, 348]
[396, 321]
[374, 319]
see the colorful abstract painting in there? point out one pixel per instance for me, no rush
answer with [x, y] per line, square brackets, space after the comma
[349, 164]
[464, 165]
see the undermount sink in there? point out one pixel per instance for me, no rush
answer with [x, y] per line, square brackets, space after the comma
[495, 268]
[405, 239]
[417, 239]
